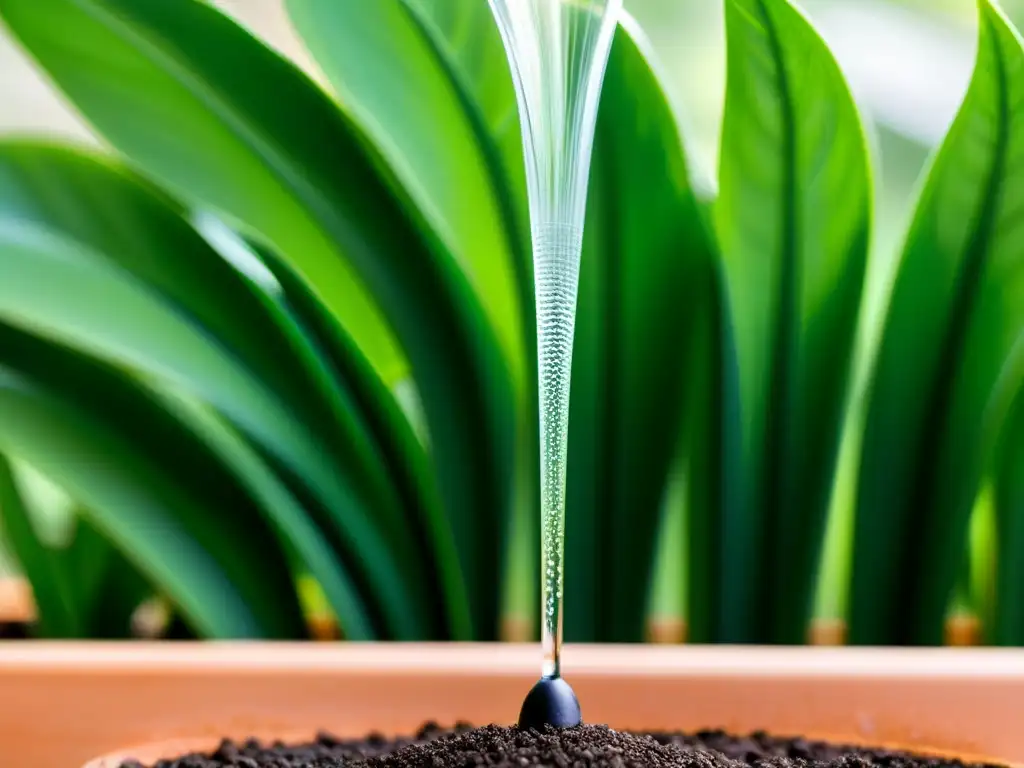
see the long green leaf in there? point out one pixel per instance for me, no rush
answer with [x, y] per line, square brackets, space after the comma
[643, 287]
[362, 453]
[398, 73]
[393, 434]
[108, 589]
[85, 306]
[709, 446]
[142, 232]
[473, 44]
[55, 605]
[155, 491]
[793, 221]
[196, 101]
[1008, 616]
[235, 149]
[359, 602]
[468, 42]
[430, 83]
[109, 248]
[83, 587]
[950, 361]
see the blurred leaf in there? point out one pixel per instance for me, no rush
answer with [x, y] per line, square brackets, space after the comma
[85, 305]
[142, 232]
[643, 288]
[195, 100]
[710, 444]
[55, 604]
[215, 337]
[158, 493]
[332, 551]
[83, 588]
[401, 76]
[429, 81]
[466, 36]
[473, 44]
[1008, 617]
[400, 450]
[793, 221]
[950, 361]
[108, 588]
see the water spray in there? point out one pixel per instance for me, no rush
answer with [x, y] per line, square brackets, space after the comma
[558, 51]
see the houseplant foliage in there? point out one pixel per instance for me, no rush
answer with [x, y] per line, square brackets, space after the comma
[283, 331]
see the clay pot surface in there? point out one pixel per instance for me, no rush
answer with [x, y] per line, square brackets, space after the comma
[64, 704]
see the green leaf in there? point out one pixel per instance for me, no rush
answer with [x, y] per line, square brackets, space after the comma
[332, 559]
[643, 288]
[85, 306]
[473, 44]
[793, 220]
[399, 447]
[108, 588]
[466, 35]
[396, 66]
[208, 110]
[192, 98]
[83, 587]
[710, 444]
[375, 449]
[951, 359]
[109, 247]
[55, 604]
[142, 232]
[156, 492]
[429, 81]
[1008, 620]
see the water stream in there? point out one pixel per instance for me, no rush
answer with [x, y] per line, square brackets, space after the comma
[558, 51]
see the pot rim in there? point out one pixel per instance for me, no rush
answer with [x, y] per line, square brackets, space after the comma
[943, 701]
[513, 659]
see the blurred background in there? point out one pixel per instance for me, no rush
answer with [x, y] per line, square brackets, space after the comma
[907, 61]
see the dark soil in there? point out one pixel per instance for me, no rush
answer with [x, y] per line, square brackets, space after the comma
[583, 747]
[14, 630]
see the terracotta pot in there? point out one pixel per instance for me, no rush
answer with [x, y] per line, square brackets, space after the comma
[66, 704]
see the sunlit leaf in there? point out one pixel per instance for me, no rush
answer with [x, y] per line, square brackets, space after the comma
[950, 361]
[793, 220]
[196, 101]
[400, 74]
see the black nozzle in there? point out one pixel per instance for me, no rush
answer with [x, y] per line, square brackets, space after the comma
[550, 702]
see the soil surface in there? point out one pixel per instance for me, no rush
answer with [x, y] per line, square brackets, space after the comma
[583, 747]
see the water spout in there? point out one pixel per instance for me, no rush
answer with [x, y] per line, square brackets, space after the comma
[558, 51]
